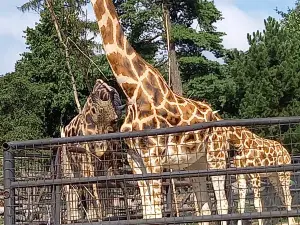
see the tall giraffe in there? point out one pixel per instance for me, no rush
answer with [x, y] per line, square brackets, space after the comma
[252, 151]
[99, 115]
[154, 105]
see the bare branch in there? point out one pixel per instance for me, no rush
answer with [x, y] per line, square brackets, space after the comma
[174, 75]
[63, 41]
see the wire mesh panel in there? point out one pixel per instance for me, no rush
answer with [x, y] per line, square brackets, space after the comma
[219, 172]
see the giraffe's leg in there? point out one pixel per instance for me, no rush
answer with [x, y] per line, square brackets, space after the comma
[281, 183]
[218, 183]
[199, 185]
[93, 210]
[216, 158]
[242, 190]
[72, 192]
[150, 191]
[256, 185]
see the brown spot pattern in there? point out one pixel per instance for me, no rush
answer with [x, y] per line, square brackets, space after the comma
[163, 123]
[130, 88]
[173, 119]
[110, 8]
[129, 49]
[162, 112]
[152, 124]
[172, 108]
[139, 65]
[99, 10]
[187, 111]
[144, 113]
[107, 32]
[190, 137]
[121, 65]
[180, 100]
[119, 36]
[142, 101]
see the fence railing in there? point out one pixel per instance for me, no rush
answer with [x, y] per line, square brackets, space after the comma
[38, 189]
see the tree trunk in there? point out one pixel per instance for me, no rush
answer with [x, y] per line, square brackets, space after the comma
[175, 84]
[174, 74]
[64, 43]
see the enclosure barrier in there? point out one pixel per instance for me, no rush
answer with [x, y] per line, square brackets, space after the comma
[44, 185]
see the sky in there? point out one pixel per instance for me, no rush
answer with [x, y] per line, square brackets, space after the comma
[240, 17]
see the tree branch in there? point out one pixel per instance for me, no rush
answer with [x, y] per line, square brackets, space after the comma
[174, 74]
[63, 41]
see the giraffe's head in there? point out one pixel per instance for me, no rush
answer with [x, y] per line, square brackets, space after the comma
[103, 113]
[105, 92]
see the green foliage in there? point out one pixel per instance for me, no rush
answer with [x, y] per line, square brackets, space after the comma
[263, 81]
[268, 73]
[145, 30]
[38, 97]
[20, 121]
[142, 24]
[203, 78]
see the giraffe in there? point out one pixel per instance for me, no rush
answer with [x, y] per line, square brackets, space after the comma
[159, 107]
[255, 151]
[154, 105]
[99, 115]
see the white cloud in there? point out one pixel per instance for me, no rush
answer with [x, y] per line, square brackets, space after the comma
[237, 23]
[12, 42]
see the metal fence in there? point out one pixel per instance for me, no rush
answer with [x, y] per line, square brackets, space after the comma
[54, 182]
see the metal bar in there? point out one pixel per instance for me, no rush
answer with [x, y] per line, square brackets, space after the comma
[164, 175]
[118, 184]
[53, 187]
[206, 218]
[152, 132]
[58, 189]
[9, 192]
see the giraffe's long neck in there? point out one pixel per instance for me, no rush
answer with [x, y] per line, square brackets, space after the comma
[129, 68]
[74, 127]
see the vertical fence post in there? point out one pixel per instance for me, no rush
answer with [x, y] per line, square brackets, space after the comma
[58, 188]
[9, 193]
[56, 197]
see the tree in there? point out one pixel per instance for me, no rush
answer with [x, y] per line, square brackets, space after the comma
[21, 108]
[48, 100]
[174, 73]
[145, 29]
[267, 76]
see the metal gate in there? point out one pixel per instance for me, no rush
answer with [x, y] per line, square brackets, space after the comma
[55, 181]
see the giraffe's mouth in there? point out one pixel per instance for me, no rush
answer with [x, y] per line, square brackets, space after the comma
[110, 129]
